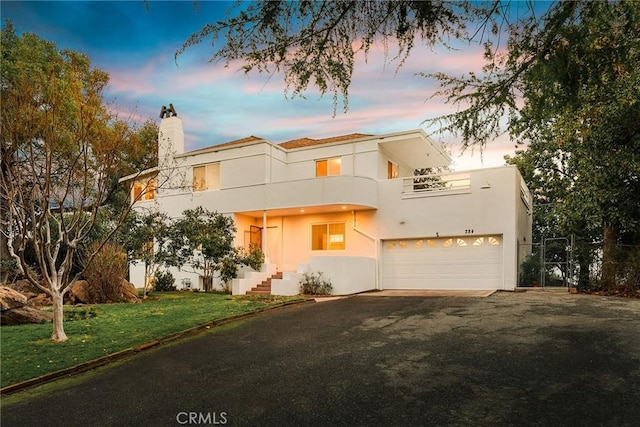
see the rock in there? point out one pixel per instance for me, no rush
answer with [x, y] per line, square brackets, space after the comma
[129, 293]
[10, 298]
[24, 286]
[81, 292]
[84, 292]
[40, 300]
[16, 312]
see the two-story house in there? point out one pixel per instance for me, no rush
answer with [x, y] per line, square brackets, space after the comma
[351, 207]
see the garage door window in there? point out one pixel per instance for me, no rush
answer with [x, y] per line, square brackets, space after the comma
[329, 237]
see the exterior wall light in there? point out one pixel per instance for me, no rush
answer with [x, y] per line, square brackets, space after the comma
[485, 186]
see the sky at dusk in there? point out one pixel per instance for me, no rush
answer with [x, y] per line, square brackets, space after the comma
[136, 47]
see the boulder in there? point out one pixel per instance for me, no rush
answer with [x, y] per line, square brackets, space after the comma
[10, 298]
[16, 312]
[24, 286]
[128, 292]
[39, 300]
[81, 292]
[84, 292]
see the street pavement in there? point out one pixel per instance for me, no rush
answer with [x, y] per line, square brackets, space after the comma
[522, 359]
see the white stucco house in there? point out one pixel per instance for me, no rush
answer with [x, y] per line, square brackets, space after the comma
[350, 207]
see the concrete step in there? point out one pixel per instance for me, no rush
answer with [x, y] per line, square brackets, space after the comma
[264, 288]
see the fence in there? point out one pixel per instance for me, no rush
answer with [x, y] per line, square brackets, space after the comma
[559, 262]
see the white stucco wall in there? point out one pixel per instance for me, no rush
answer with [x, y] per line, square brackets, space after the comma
[347, 274]
[485, 211]
[260, 176]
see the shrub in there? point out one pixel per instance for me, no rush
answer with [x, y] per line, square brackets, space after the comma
[106, 272]
[315, 284]
[8, 270]
[530, 271]
[165, 281]
[79, 314]
[254, 259]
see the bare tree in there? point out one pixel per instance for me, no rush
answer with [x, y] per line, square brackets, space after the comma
[61, 149]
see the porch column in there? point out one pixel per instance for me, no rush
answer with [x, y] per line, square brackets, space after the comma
[264, 234]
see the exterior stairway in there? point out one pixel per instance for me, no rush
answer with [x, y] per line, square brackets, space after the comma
[264, 288]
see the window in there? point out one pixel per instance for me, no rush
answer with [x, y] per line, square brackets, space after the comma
[137, 190]
[392, 170]
[206, 177]
[150, 194]
[328, 167]
[144, 190]
[327, 237]
[493, 241]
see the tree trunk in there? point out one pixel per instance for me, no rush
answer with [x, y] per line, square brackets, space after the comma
[145, 287]
[609, 265]
[207, 282]
[584, 255]
[58, 317]
[583, 276]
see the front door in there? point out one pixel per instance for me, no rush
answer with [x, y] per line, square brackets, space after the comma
[255, 237]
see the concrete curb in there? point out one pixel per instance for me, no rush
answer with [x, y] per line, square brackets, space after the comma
[96, 363]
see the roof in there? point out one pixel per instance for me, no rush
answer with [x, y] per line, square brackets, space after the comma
[250, 138]
[307, 142]
[247, 140]
[140, 174]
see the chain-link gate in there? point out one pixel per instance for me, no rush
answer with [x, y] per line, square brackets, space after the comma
[546, 264]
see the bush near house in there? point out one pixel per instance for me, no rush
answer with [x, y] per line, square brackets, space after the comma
[315, 284]
[165, 281]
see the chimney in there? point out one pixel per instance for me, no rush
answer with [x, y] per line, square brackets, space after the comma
[170, 136]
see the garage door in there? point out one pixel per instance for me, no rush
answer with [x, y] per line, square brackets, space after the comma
[443, 263]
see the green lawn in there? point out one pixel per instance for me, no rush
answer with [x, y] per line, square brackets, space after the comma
[26, 351]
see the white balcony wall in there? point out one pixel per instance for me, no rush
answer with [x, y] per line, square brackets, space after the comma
[322, 191]
[249, 170]
[278, 168]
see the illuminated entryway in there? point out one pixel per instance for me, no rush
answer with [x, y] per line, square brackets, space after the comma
[468, 262]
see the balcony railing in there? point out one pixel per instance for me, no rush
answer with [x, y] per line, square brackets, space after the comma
[424, 185]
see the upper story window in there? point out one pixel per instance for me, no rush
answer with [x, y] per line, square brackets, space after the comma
[144, 190]
[328, 167]
[392, 170]
[206, 177]
[328, 237]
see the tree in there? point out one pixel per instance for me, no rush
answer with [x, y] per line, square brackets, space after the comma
[60, 149]
[315, 42]
[577, 74]
[204, 240]
[147, 240]
[549, 174]
[141, 153]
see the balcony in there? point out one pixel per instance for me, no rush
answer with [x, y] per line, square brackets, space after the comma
[332, 193]
[330, 190]
[436, 185]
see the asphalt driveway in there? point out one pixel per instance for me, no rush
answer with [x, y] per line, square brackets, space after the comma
[539, 359]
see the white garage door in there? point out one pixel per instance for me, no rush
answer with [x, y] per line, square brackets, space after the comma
[443, 263]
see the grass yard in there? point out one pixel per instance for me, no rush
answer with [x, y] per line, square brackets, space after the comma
[98, 330]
